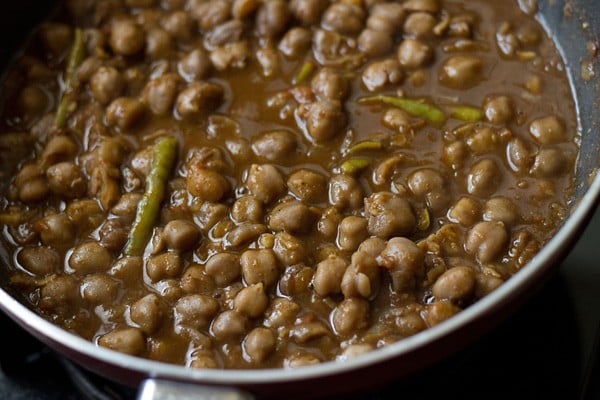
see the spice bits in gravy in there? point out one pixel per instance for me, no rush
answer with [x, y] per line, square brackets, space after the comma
[251, 184]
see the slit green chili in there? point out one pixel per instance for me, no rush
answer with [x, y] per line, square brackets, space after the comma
[466, 113]
[305, 72]
[354, 165]
[415, 108]
[164, 155]
[76, 57]
[365, 145]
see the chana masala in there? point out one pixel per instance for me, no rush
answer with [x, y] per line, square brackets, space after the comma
[269, 183]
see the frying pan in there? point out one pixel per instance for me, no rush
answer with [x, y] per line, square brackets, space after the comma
[574, 25]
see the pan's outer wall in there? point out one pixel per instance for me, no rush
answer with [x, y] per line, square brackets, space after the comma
[19, 17]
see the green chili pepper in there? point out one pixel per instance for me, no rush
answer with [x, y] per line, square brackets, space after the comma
[466, 113]
[423, 219]
[164, 155]
[354, 165]
[415, 108]
[305, 72]
[76, 57]
[365, 145]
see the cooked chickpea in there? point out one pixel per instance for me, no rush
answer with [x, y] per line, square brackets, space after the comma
[229, 325]
[466, 211]
[56, 230]
[548, 130]
[195, 65]
[251, 301]
[247, 209]
[106, 84]
[259, 344]
[461, 72]
[549, 163]
[195, 310]
[372, 246]
[404, 260]
[486, 284]
[40, 261]
[500, 209]
[457, 285]
[60, 295]
[345, 192]
[414, 54]
[484, 177]
[99, 289]
[124, 112]
[126, 37]
[439, 311]
[275, 145]
[293, 217]
[487, 240]
[350, 316]
[352, 231]
[181, 234]
[164, 266]
[196, 280]
[207, 184]
[160, 93]
[224, 268]
[90, 257]
[389, 215]
[66, 179]
[498, 109]
[159, 44]
[259, 266]
[265, 182]
[129, 341]
[288, 249]
[147, 313]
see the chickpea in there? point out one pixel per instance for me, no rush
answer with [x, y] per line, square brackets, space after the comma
[229, 325]
[125, 112]
[90, 257]
[195, 310]
[259, 344]
[439, 311]
[288, 249]
[129, 341]
[60, 295]
[351, 232]
[40, 261]
[99, 289]
[259, 266]
[181, 234]
[164, 266]
[147, 313]
[224, 268]
[106, 84]
[461, 72]
[207, 184]
[251, 301]
[126, 37]
[265, 182]
[487, 240]
[457, 285]
[350, 316]
[55, 230]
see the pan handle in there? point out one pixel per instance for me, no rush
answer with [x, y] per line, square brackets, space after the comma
[158, 389]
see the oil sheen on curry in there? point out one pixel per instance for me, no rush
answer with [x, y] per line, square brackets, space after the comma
[263, 184]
